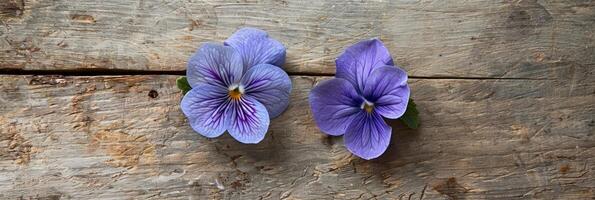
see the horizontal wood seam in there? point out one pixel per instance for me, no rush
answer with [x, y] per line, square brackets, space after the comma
[115, 72]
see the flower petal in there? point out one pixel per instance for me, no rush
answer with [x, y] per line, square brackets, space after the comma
[269, 85]
[255, 47]
[368, 135]
[387, 88]
[249, 120]
[333, 104]
[214, 64]
[358, 61]
[205, 107]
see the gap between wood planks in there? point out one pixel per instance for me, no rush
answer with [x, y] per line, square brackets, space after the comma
[116, 72]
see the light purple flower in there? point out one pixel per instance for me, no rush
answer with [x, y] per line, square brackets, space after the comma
[366, 89]
[237, 87]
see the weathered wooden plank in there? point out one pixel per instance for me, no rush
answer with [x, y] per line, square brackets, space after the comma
[472, 38]
[106, 137]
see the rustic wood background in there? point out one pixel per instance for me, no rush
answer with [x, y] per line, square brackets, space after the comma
[89, 107]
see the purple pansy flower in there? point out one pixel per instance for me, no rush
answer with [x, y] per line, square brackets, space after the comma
[366, 89]
[237, 87]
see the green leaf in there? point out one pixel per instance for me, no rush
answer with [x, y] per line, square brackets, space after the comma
[183, 84]
[411, 118]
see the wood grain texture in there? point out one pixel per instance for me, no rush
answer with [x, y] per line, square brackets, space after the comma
[452, 38]
[125, 137]
[505, 91]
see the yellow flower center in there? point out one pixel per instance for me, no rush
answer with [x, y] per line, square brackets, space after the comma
[368, 107]
[235, 93]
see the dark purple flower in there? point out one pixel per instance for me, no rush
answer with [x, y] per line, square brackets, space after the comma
[237, 87]
[367, 87]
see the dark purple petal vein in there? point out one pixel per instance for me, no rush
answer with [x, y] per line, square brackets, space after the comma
[333, 104]
[205, 107]
[368, 135]
[249, 120]
[387, 88]
[269, 85]
[214, 64]
[358, 61]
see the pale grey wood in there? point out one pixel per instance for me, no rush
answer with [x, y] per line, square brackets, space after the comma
[453, 38]
[107, 138]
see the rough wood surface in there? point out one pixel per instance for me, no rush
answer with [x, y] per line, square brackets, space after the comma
[505, 89]
[452, 38]
[125, 137]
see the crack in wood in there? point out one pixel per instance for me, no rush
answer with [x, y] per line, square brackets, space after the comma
[116, 72]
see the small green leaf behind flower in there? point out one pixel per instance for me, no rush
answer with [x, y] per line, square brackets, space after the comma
[411, 116]
[183, 84]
